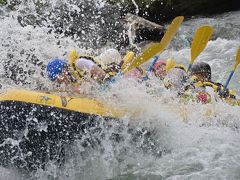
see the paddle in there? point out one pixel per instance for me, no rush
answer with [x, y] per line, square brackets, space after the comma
[156, 48]
[237, 61]
[127, 60]
[200, 40]
[154, 60]
[152, 50]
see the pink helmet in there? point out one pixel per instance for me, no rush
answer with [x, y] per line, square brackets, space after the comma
[159, 63]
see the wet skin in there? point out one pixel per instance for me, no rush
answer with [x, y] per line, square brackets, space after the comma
[160, 72]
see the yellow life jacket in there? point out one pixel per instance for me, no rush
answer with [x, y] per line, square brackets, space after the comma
[210, 84]
[170, 63]
[79, 74]
[181, 66]
[215, 87]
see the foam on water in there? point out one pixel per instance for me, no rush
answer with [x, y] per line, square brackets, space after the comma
[165, 140]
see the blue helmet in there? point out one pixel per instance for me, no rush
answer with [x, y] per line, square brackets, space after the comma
[55, 67]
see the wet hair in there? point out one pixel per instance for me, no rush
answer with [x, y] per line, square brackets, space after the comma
[203, 68]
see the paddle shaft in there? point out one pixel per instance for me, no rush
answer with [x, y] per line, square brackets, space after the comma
[234, 69]
[228, 80]
[189, 67]
[155, 58]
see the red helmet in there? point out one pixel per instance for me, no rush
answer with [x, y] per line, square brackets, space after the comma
[159, 63]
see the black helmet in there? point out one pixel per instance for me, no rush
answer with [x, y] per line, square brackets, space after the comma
[203, 68]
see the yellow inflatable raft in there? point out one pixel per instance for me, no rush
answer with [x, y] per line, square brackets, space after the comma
[81, 105]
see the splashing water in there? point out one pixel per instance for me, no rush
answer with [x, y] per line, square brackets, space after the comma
[135, 4]
[167, 140]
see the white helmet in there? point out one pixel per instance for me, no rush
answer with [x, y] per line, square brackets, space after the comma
[110, 56]
[175, 78]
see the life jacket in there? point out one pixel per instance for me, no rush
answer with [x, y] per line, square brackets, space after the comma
[175, 79]
[217, 87]
[110, 69]
[206, 91]
[189, 93]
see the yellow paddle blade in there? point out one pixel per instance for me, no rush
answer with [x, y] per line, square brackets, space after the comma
[200, 41]
[127, 60]
[157, 48]
[237, 60]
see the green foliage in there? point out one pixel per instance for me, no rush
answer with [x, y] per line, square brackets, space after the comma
[3, 2]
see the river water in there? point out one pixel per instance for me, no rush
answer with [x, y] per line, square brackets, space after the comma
[187, 141]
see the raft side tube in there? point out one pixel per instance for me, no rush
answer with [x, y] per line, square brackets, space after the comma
[83, 105]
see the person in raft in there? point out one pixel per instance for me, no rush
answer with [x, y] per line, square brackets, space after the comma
[135, 73]
[81, 67]
[201, 76]
[159, 69]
